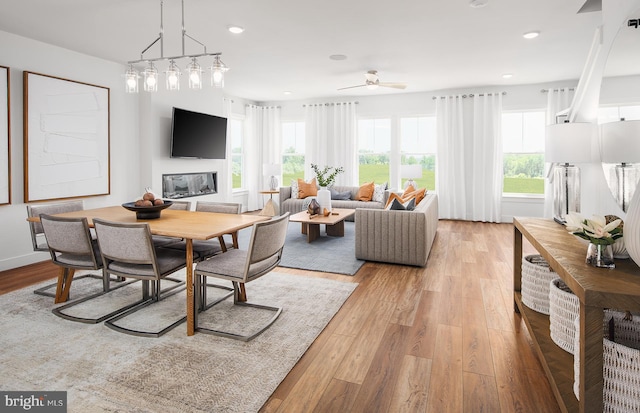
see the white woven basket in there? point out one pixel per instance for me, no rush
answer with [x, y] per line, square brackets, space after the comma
[620, 364]
[536, 276]
[564, 308]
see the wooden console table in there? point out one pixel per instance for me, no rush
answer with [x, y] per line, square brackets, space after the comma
[596, 288]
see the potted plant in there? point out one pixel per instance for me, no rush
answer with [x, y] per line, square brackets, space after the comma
[326, 176]
[600, 234]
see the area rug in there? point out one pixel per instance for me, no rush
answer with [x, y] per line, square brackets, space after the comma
[326, 254]
[106, 371]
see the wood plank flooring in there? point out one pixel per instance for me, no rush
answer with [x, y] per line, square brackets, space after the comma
[443, 338]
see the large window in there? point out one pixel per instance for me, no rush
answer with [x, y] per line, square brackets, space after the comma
[237, 156]
[615, 113]
[523, 147]
[293, 151]
[374, 147]
[418, 147]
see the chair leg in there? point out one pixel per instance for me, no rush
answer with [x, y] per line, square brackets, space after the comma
[65, 277]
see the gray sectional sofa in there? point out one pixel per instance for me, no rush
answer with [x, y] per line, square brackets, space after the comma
[401, 237]
[288, 204]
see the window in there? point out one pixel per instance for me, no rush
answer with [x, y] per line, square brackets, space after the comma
[237, 156]
[418, 146]
[615, 113]
[293, 151]
[523, 148]
[374, 147]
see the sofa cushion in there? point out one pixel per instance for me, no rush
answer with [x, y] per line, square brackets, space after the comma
[365, 192]
[307, 189]
[336, 195]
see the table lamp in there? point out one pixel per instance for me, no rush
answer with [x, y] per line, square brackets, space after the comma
[567, 143]
[409, 172]
[273, 170]
[620, 145]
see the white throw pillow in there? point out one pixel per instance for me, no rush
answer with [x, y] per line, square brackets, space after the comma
[294, 189]
[378, 192]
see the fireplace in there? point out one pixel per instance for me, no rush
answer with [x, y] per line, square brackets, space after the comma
[175, 186]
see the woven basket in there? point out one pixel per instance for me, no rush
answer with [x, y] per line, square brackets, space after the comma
[536, 276]
[620, 364]
[564, 308]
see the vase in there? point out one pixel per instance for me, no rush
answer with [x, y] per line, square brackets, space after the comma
[324, 198]
[600, 256]
[632, 228]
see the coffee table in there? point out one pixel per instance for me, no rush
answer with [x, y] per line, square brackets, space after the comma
[334, 223]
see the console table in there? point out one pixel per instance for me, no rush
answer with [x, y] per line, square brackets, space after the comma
[596, 288]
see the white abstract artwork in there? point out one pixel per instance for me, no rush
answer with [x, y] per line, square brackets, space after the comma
[5, 160]
[66, 138]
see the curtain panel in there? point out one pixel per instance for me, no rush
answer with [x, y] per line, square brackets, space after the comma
[469, 157]
[331, 139]
[263, 145]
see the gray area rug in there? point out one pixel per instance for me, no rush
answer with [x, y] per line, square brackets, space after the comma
[106, 371]
[326, 254]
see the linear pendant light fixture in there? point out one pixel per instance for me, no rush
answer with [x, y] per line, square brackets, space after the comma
[172, 73]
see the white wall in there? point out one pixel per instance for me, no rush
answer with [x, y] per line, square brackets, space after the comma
[20, 54]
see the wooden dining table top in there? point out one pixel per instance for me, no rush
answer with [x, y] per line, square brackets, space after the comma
[172, 222]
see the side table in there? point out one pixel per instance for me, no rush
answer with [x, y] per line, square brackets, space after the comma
[271, 207]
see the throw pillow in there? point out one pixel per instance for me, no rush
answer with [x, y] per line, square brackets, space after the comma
[365, 192]
[294, 189]
[344, 196]
[378, 192]
[392, 197]
[417, 194]
[307, 189]
[408, 189]
[396, 205]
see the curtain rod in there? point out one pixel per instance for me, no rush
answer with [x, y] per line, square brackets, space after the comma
[470, 95]
[331, 104]
[262, 107]
[571, 89]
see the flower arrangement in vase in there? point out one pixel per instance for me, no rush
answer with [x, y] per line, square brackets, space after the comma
[325, 177]
[600, 234]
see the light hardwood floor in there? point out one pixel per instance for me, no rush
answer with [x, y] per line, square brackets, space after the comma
[443, 338]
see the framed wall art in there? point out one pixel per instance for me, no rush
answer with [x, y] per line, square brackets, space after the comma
[66, 138]
[5, 138]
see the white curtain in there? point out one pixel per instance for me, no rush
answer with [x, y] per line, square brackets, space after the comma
[331, 139]
[450, 158]
[225, 180]
[262, 145]
[487, 167]
[469, 157]
[558, 100]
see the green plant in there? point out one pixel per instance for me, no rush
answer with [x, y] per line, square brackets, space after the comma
[321, 174]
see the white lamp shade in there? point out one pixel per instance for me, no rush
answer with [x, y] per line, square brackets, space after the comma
[411, 171]
[569, 142]
[620, 142]
[271, 169]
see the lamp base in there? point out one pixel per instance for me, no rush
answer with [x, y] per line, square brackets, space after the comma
[409, 182]
[566, 191]
[273, 183]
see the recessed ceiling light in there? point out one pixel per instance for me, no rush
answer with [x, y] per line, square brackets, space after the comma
[236, 29]
[531, 35]
[338, 57]
[507, 75]
[476, 4]
[287, 92]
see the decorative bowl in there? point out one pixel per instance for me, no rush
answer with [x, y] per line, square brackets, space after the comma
[147, 212]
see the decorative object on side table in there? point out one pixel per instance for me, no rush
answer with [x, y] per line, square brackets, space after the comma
[600, 234]
[632, 240]
[325, 177]
[314, 207]
[273, 170]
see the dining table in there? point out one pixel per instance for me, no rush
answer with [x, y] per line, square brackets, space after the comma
[189, 225]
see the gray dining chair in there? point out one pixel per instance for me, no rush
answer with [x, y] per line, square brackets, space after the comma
[242, 266]
[161, 240]
[38, 238]
[209, 248]
[128, 251]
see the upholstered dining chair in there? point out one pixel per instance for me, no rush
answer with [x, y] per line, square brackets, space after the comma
[72, 248]
[161, 240]
[209, 248]
[38, 239]
[242, 266]
[128, 251]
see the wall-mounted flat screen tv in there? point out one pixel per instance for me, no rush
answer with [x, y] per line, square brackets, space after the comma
[198, 135]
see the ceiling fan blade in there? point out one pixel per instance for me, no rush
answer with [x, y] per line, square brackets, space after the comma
[393, 85]
[351, 87]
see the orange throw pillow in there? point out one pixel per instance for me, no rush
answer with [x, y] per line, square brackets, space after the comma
[307, 189]
[365, 192]
[417, 194]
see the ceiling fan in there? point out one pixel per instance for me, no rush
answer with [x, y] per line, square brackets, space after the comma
[372, 82]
